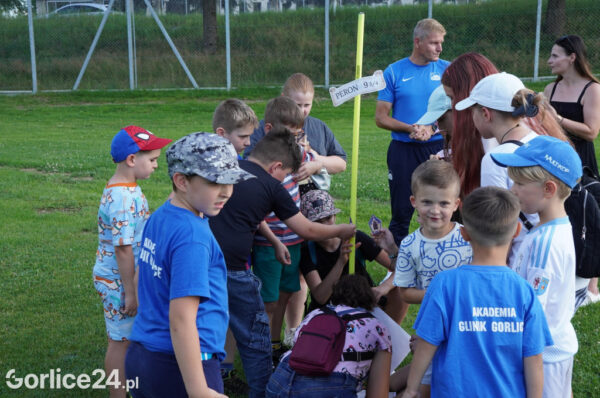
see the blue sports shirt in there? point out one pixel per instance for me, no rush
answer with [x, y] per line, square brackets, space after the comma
[408, 87]
[180, 257]
[484, 321]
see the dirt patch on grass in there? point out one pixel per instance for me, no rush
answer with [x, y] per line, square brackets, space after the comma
[48, 210]
[53, 173]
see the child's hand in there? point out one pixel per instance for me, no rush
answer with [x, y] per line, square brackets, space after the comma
[414, 341]
[378, 292]
[385, 240]
[282, 254]
[131, 304]
[345, 249]
[307, 169]
[346, 231]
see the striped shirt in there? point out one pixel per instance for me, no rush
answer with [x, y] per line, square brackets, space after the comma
[546, 259]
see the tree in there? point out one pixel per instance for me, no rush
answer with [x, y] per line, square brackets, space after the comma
[554, 24]
[18, 6]
[209, 23]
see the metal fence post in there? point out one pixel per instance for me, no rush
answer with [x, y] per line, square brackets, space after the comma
[430, 9]
[538, 27]
[34, 87]
[327, 44]
[227, 45]
[129, 15]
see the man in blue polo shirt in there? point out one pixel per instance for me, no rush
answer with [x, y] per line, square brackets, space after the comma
[409, 83]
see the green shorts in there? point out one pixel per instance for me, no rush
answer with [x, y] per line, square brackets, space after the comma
[274, 275]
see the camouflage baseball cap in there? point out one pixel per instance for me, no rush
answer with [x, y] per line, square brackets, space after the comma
[317, 204]
[206, 155]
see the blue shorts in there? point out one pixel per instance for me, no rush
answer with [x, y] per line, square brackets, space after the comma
[275, 276]
[156, 374]
[118, 325]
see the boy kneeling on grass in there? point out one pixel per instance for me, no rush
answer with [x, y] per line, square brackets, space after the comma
[178, 337]
[481, 323]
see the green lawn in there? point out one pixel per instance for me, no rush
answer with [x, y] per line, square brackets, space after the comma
[54, 162]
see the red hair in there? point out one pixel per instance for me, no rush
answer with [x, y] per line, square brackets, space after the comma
[467, 150]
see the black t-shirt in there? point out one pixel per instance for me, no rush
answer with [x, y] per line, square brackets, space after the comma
[326, 260]
[251, 201]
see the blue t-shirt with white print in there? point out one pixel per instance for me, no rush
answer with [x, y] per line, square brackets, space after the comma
[484, 320]
[180, 257]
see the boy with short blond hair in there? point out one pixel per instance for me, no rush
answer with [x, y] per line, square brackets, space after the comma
[480, 323]
[437, 245]
[235, 121]
[122, 215]
[545, 170]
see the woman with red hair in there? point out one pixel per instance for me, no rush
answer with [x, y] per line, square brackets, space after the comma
[466, 143]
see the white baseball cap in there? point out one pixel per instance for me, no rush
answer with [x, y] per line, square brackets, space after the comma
[494, 91]
[439, 103]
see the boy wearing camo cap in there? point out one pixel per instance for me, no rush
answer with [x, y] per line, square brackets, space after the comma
[324, 261]
[178, 336]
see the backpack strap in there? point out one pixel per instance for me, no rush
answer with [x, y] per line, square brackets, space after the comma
[526, 223]
[358, 356]
[584, 228]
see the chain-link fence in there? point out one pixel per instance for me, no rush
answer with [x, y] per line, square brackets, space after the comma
[266, 47]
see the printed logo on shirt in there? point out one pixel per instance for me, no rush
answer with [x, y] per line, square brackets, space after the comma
[540, 285]
[147, 256]
[407, 79]
[478, 325]
[435, 76]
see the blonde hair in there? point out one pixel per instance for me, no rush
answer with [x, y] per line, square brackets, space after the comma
[233, 114]
[540, 175]
[490, 215]
[436, 173]
[298, 83]
[427, 26]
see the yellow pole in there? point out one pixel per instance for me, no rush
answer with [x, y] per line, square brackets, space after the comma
[355, 132]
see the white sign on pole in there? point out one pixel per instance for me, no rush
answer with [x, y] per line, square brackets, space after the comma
[364, 85]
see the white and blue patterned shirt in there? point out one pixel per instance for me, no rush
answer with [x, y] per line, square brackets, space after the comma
[421, 258]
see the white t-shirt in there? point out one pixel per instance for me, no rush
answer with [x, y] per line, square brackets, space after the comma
[546, 259]
[492, 174]
[421, 258]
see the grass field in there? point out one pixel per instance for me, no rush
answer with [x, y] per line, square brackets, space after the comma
[54, 162]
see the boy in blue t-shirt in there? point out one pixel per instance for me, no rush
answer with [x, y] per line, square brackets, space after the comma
[122, 215]
[178, 336]
[481, 323]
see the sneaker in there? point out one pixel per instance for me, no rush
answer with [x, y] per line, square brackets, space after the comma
[592, 298]
[288, 337]
[233, 383]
